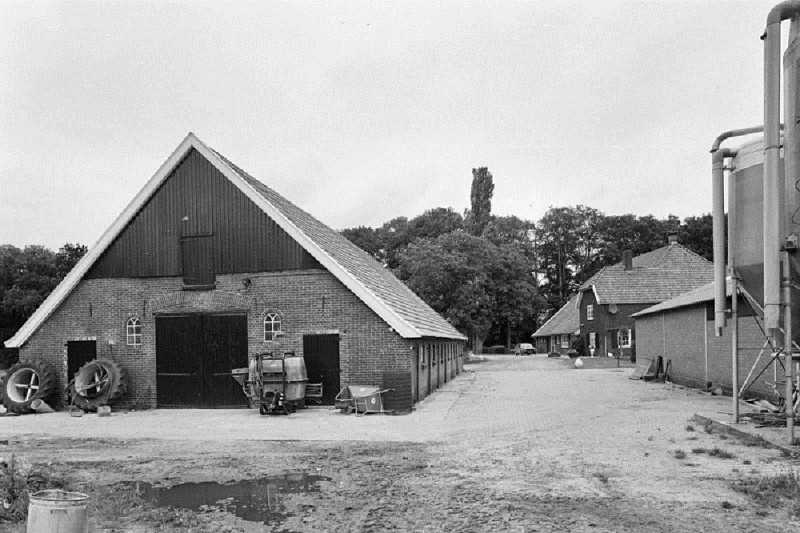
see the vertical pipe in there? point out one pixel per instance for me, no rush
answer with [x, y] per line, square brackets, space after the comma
[771, 213]
[735, 347]
[787, 345]
[718, 230]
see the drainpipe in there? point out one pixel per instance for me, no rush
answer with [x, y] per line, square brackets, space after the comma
[718, 157]
[772, 146]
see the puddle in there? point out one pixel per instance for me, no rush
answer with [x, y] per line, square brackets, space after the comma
[259, 500]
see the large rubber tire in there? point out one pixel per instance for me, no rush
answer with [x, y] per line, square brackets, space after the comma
[97, 383]
[25, 383]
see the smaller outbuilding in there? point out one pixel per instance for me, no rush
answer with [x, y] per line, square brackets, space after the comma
[557, 334]
[681, 331]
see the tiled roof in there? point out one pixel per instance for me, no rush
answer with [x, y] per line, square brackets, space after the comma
[566, 320]
[655, 277]
[697, 296]
[375, 278]
[377, 287]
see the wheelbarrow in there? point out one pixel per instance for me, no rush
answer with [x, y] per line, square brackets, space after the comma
[361, 399]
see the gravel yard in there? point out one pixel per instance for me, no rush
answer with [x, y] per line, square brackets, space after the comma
[513, 444]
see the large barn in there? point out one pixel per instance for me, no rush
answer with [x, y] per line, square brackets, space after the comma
[208, 266]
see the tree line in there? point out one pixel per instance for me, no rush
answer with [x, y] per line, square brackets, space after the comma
[498, 278]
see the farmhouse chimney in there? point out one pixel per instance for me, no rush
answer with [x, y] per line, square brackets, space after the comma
[672, 239]
[627, 259]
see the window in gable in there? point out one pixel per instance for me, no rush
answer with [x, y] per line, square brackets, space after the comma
[590, 312]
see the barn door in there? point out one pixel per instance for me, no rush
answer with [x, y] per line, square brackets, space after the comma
[194, 357]
[225, 340]
[321, 354]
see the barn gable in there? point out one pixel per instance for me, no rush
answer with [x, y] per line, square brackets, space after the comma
[304, 242]
[219, 231]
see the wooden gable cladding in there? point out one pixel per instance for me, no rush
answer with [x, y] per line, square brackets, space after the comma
[196, 200]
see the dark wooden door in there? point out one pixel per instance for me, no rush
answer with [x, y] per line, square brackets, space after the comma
[194, 357]
[78, 354]
[321, 353]
[225, 340]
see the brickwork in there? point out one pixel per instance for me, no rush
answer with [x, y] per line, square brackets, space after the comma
[309, 302]
[604, 320]
[686, 337]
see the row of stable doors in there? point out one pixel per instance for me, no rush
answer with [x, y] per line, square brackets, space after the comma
[195, 354]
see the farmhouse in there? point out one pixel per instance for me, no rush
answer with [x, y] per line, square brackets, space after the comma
[206, 267]
[608, 299]
[556, 335]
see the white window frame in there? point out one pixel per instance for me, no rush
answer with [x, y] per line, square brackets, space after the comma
[590, 312]
[275, 323]
[592, 339]
[624, 338]
[133, 331]
[565, 341]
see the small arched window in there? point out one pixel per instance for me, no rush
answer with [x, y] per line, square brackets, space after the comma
[133, 332]
[272, 326]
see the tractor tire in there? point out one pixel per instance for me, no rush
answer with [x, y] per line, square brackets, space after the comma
[97, 383]
[26, 382]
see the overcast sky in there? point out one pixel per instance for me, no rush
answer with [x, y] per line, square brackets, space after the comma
[360, 112]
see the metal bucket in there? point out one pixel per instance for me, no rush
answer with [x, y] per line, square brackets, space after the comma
[58, 511]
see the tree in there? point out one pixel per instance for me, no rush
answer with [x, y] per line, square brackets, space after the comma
[567, 243]
[27, 277]
[696, 233]
[67, 257]
[479, 215]
[470, 281]
[365, 238]
[386, 242]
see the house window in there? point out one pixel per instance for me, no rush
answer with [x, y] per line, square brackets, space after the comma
[272, 326]
[133, 332]
[624, 338]
[592, 340]
[565, 341]
[590, 312]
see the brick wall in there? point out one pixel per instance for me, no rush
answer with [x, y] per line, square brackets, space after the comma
[687, 338]
[309, 302]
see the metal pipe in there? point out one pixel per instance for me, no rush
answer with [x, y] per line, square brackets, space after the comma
[772, 103]
[718, 199]
[735, 346]
[788, 349]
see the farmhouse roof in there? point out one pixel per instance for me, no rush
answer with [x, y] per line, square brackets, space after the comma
[376, 286]
[655, 276]
[566, 320]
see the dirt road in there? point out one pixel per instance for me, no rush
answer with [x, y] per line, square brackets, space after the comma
[514, 444]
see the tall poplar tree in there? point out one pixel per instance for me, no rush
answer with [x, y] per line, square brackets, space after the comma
[481, 201]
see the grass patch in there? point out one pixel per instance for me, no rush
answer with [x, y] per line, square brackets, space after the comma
[722, 454]
[774, 491]
[18, 479]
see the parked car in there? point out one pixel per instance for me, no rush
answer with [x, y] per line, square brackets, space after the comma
[524, 348]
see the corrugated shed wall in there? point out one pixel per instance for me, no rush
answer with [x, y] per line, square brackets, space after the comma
[197, 200]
